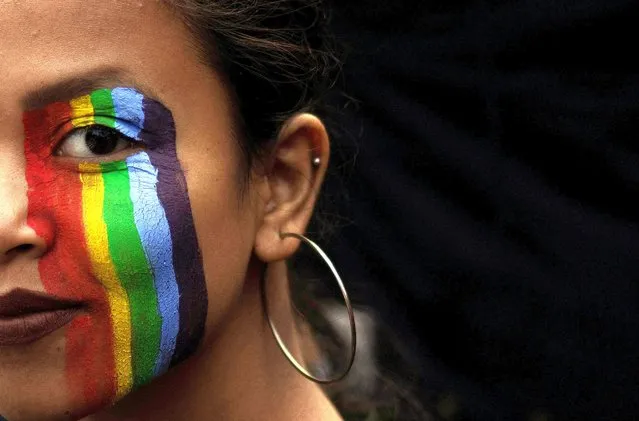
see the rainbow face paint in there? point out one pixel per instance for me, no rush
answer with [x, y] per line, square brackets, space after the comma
[121, 238]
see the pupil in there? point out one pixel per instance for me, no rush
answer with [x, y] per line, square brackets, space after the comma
[101, 140]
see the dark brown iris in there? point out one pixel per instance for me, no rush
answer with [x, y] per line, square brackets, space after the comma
[101, 140]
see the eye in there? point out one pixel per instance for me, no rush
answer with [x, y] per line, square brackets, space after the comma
[93, 141]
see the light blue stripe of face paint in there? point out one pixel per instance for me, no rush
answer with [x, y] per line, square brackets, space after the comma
[129, 111]
[153, 228]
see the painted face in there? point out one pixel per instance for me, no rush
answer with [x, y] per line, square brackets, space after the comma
[121, 238]
[103, 216]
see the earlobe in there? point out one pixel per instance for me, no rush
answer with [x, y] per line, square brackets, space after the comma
[296, 170]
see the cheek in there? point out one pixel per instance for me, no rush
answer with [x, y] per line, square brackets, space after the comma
[121, 239]
[225, 220]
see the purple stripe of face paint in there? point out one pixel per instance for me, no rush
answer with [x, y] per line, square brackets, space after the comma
[159, 137]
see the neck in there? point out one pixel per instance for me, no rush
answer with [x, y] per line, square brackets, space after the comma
[239, 374]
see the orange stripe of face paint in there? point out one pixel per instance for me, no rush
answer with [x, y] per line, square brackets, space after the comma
[55, 213]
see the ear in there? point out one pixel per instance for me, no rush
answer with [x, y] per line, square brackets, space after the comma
[291, 185]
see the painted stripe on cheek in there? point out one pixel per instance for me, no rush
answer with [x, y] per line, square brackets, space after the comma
[155, 234]
[104, 270]
[173, 195]
[133, 270]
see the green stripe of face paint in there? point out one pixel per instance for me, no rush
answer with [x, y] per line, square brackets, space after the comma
[103, 107]
[133, 270]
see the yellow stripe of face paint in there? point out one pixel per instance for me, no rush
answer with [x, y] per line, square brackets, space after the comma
[104, 270]
[82, 111]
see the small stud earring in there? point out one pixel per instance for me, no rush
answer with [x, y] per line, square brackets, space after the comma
[317, 161]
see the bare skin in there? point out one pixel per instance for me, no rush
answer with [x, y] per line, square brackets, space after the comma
[238, 373]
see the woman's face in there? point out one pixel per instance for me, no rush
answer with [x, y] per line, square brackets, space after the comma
[120, 210]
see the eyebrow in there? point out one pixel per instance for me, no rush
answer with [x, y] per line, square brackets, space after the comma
[77, 86]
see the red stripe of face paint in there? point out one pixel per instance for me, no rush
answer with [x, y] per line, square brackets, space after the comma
[55, 213]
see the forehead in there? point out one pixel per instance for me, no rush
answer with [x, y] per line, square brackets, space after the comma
[44, 42]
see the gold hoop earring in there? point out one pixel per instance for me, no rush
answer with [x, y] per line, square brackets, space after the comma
[349, 308]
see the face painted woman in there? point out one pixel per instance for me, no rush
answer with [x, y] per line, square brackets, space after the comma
[147, 171]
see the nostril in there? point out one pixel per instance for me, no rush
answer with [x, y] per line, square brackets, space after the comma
[19, 250]
[22, 248]
[27, 250]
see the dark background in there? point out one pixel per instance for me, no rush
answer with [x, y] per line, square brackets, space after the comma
[492, 176]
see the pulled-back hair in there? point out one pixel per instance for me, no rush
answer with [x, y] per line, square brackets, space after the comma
[276, 56]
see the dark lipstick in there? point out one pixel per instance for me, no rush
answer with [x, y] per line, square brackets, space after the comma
[26, 316]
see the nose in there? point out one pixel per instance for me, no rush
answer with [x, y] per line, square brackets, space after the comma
[17, 238]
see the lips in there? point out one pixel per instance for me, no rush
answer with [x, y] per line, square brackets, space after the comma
[26, 316]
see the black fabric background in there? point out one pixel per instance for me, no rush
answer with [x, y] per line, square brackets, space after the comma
[494, 197]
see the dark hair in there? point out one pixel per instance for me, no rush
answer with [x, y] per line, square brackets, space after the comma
[278, 58]
[275, 54]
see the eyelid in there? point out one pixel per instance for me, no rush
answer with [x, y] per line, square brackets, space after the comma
[117, 107]
[65, 128]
